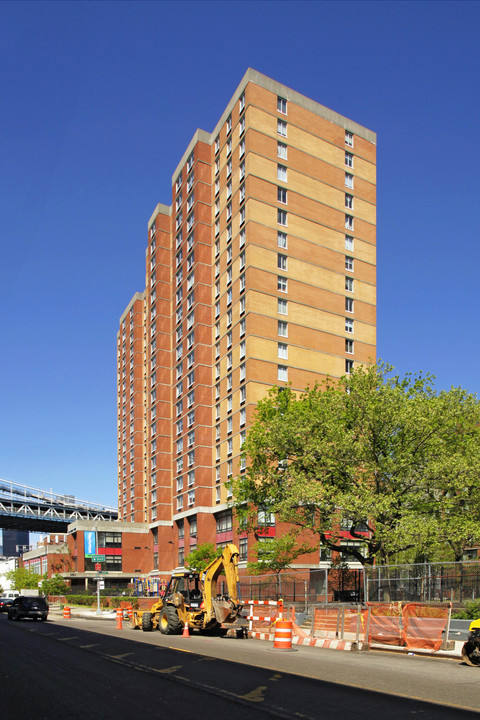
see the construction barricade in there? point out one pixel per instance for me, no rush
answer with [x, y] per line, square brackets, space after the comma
[354, 627]
[415, 626]
[262, 616]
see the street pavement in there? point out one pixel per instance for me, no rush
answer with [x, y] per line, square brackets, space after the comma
[89, 668]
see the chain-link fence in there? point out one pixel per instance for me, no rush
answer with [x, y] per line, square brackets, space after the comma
[304, 588]
[423, 582]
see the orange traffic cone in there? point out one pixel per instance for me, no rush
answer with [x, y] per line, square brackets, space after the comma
[185, 631]
[119, 619]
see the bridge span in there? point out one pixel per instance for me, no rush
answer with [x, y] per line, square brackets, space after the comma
[26, 508]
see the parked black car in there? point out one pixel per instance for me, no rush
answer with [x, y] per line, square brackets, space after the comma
[28, 607]
[5, 603]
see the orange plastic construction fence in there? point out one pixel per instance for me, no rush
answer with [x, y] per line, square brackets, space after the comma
[423, 626]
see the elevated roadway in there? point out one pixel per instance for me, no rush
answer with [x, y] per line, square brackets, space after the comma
[27, 508]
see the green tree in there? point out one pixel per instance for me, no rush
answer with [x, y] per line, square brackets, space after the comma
[55, 585]
[385, 457]
[22, 579]
[201, 557]
[275, 555]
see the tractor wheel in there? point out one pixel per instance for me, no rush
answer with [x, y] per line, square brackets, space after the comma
[169, 621]
[147, 624]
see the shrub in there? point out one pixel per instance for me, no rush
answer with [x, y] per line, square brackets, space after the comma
[471, 611]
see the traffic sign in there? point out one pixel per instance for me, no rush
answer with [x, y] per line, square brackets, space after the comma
[97, 558]
[98, 567]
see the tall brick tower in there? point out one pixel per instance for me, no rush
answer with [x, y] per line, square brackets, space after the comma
[260, 272]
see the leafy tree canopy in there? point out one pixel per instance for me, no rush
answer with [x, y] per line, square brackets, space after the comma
[387, 457]
[201, 557]
[55, 585]
[23, 579]
[277, 554]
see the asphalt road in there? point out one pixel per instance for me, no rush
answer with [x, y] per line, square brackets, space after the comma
[88, 669]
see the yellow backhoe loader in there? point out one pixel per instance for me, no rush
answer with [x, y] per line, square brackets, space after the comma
[192, 598]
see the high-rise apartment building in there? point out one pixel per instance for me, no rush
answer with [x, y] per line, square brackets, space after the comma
[261, 272]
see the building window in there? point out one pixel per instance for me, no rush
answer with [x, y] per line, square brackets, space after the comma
[241, 105]
[229, 124]
[349, 201]
[266, 518]
[349, 284]
[243, 417]
[191, 498]
[282, 217]
[191, 481]
[241, 149]
[348, 262]
[348, 366]
[283, 351]
[282, 150]
[243, 394]
[282, 195]
[242, 349]
[242, 327]
[281, 105]
[243, 549]
[282, 373]
[191, 418]
[281, 261]
[349, 243]
[349, 305]
[282, 328]
[282, 306]
[242, 372]
[349, 159]
[348, 138]
[282, 128]
[348, 325]
[217, 144]
[242, 305]
[282, 283]
[229, 146]
[242, 170]
[229, 446]
[242, 215]
[190, 398]
[348, 346]
[282, 173]
[348, 222]
[224, 522]
[349, 180]
[242, 261]
[242, 192]
[241, 127]
[229, 168]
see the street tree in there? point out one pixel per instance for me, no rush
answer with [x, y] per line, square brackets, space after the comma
[384, 457]
[276, 554]
[202, 556]
[23, 579]
[55, 585]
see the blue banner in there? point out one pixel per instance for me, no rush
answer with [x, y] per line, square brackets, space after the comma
[90, 542]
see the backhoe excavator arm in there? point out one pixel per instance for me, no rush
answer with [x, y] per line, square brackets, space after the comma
[222, 610]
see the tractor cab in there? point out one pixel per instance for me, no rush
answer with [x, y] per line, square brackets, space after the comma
[188, 585]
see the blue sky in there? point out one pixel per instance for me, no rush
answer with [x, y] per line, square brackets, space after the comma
[99, 101]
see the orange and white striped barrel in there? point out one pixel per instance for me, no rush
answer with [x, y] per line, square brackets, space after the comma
[130, 611]
[66, 613]
[283, 635]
